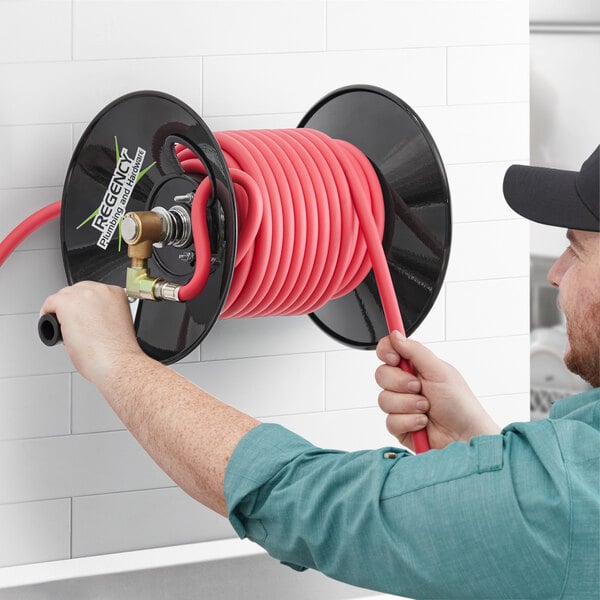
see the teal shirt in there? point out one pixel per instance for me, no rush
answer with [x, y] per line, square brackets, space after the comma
[515, 515]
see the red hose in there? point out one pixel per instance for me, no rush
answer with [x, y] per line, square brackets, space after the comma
[27, 227]
[317, 234]
[310, 218]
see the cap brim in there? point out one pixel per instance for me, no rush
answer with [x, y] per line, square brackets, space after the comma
[547, 196]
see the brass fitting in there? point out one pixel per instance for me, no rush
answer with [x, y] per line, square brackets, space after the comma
[140, 230]
[139, 284]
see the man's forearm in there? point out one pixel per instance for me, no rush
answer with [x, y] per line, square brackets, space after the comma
[189, 433]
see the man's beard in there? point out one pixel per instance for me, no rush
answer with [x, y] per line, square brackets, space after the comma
[583, 356]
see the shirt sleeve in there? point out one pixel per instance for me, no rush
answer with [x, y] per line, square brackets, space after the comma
[488, 519]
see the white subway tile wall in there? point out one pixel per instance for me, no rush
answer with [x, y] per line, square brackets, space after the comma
[45, 37]
[74, 481]
[35, 406]
[477, 192]
[364, 24]
[17, 204]
[99, 521]
[488, 74]
[86, 86]
[27, 163]
[44, 267]
[138, 29]
[35, 531]
[276, 87]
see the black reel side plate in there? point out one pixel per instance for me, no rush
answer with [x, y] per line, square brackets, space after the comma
[153, 122]
[418, 220]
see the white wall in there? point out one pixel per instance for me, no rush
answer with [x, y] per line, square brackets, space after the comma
[74, 482]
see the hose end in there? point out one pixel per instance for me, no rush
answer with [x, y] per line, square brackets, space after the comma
[49, 329]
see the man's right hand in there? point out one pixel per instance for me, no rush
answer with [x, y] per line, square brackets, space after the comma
[96, 327]
[436, 397]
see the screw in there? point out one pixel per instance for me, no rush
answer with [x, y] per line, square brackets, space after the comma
[184, 198]
[188, 256]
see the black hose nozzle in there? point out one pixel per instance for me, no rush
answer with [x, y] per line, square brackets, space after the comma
[49, 329]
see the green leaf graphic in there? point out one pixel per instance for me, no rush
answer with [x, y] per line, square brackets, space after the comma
[143, 172]
[88, 219]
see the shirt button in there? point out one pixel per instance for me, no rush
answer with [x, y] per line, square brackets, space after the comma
[389, 455]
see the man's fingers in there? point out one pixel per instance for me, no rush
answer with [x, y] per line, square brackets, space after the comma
[395, 346]
[54, 302]
[401, 425]
[424, 361]
[397, 380]
[386, 353]
[49, 305]
[408, 404]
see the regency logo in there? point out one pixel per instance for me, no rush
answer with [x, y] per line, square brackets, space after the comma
[127, 172]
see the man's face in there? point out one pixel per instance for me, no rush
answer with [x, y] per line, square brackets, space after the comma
[576, 273]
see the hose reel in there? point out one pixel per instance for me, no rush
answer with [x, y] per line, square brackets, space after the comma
[126, 162]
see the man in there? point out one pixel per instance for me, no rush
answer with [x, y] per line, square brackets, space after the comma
[546, 196]
[511, 514]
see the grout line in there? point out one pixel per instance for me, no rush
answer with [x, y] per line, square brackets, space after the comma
[66, 435]
[331, 411]
[112, 493]
[507, 219]
[202, 87]
[417, 107]
[447, 103]
[32, 188]
[325, 38]
[72, 30]
[504, 278]
[70, 403]
[275, 355]
[254, 53]
[71, 527]
[324, 383]
[445, 311]
[516, 219]
[36, 501]
[495, 338]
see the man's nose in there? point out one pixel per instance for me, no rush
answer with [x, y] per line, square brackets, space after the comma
[555, 273]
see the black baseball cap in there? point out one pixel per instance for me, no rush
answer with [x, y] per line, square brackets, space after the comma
[569, 199]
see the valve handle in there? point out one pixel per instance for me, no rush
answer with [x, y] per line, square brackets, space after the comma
[49, 329]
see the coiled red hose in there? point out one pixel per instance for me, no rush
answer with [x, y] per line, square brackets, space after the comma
[310, 219]
[311, 226]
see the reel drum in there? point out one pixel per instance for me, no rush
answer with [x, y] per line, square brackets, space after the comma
[125, 161]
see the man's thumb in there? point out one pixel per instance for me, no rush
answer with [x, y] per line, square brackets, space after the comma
[423, 360]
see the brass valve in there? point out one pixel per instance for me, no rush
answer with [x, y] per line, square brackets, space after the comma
[140, 230]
